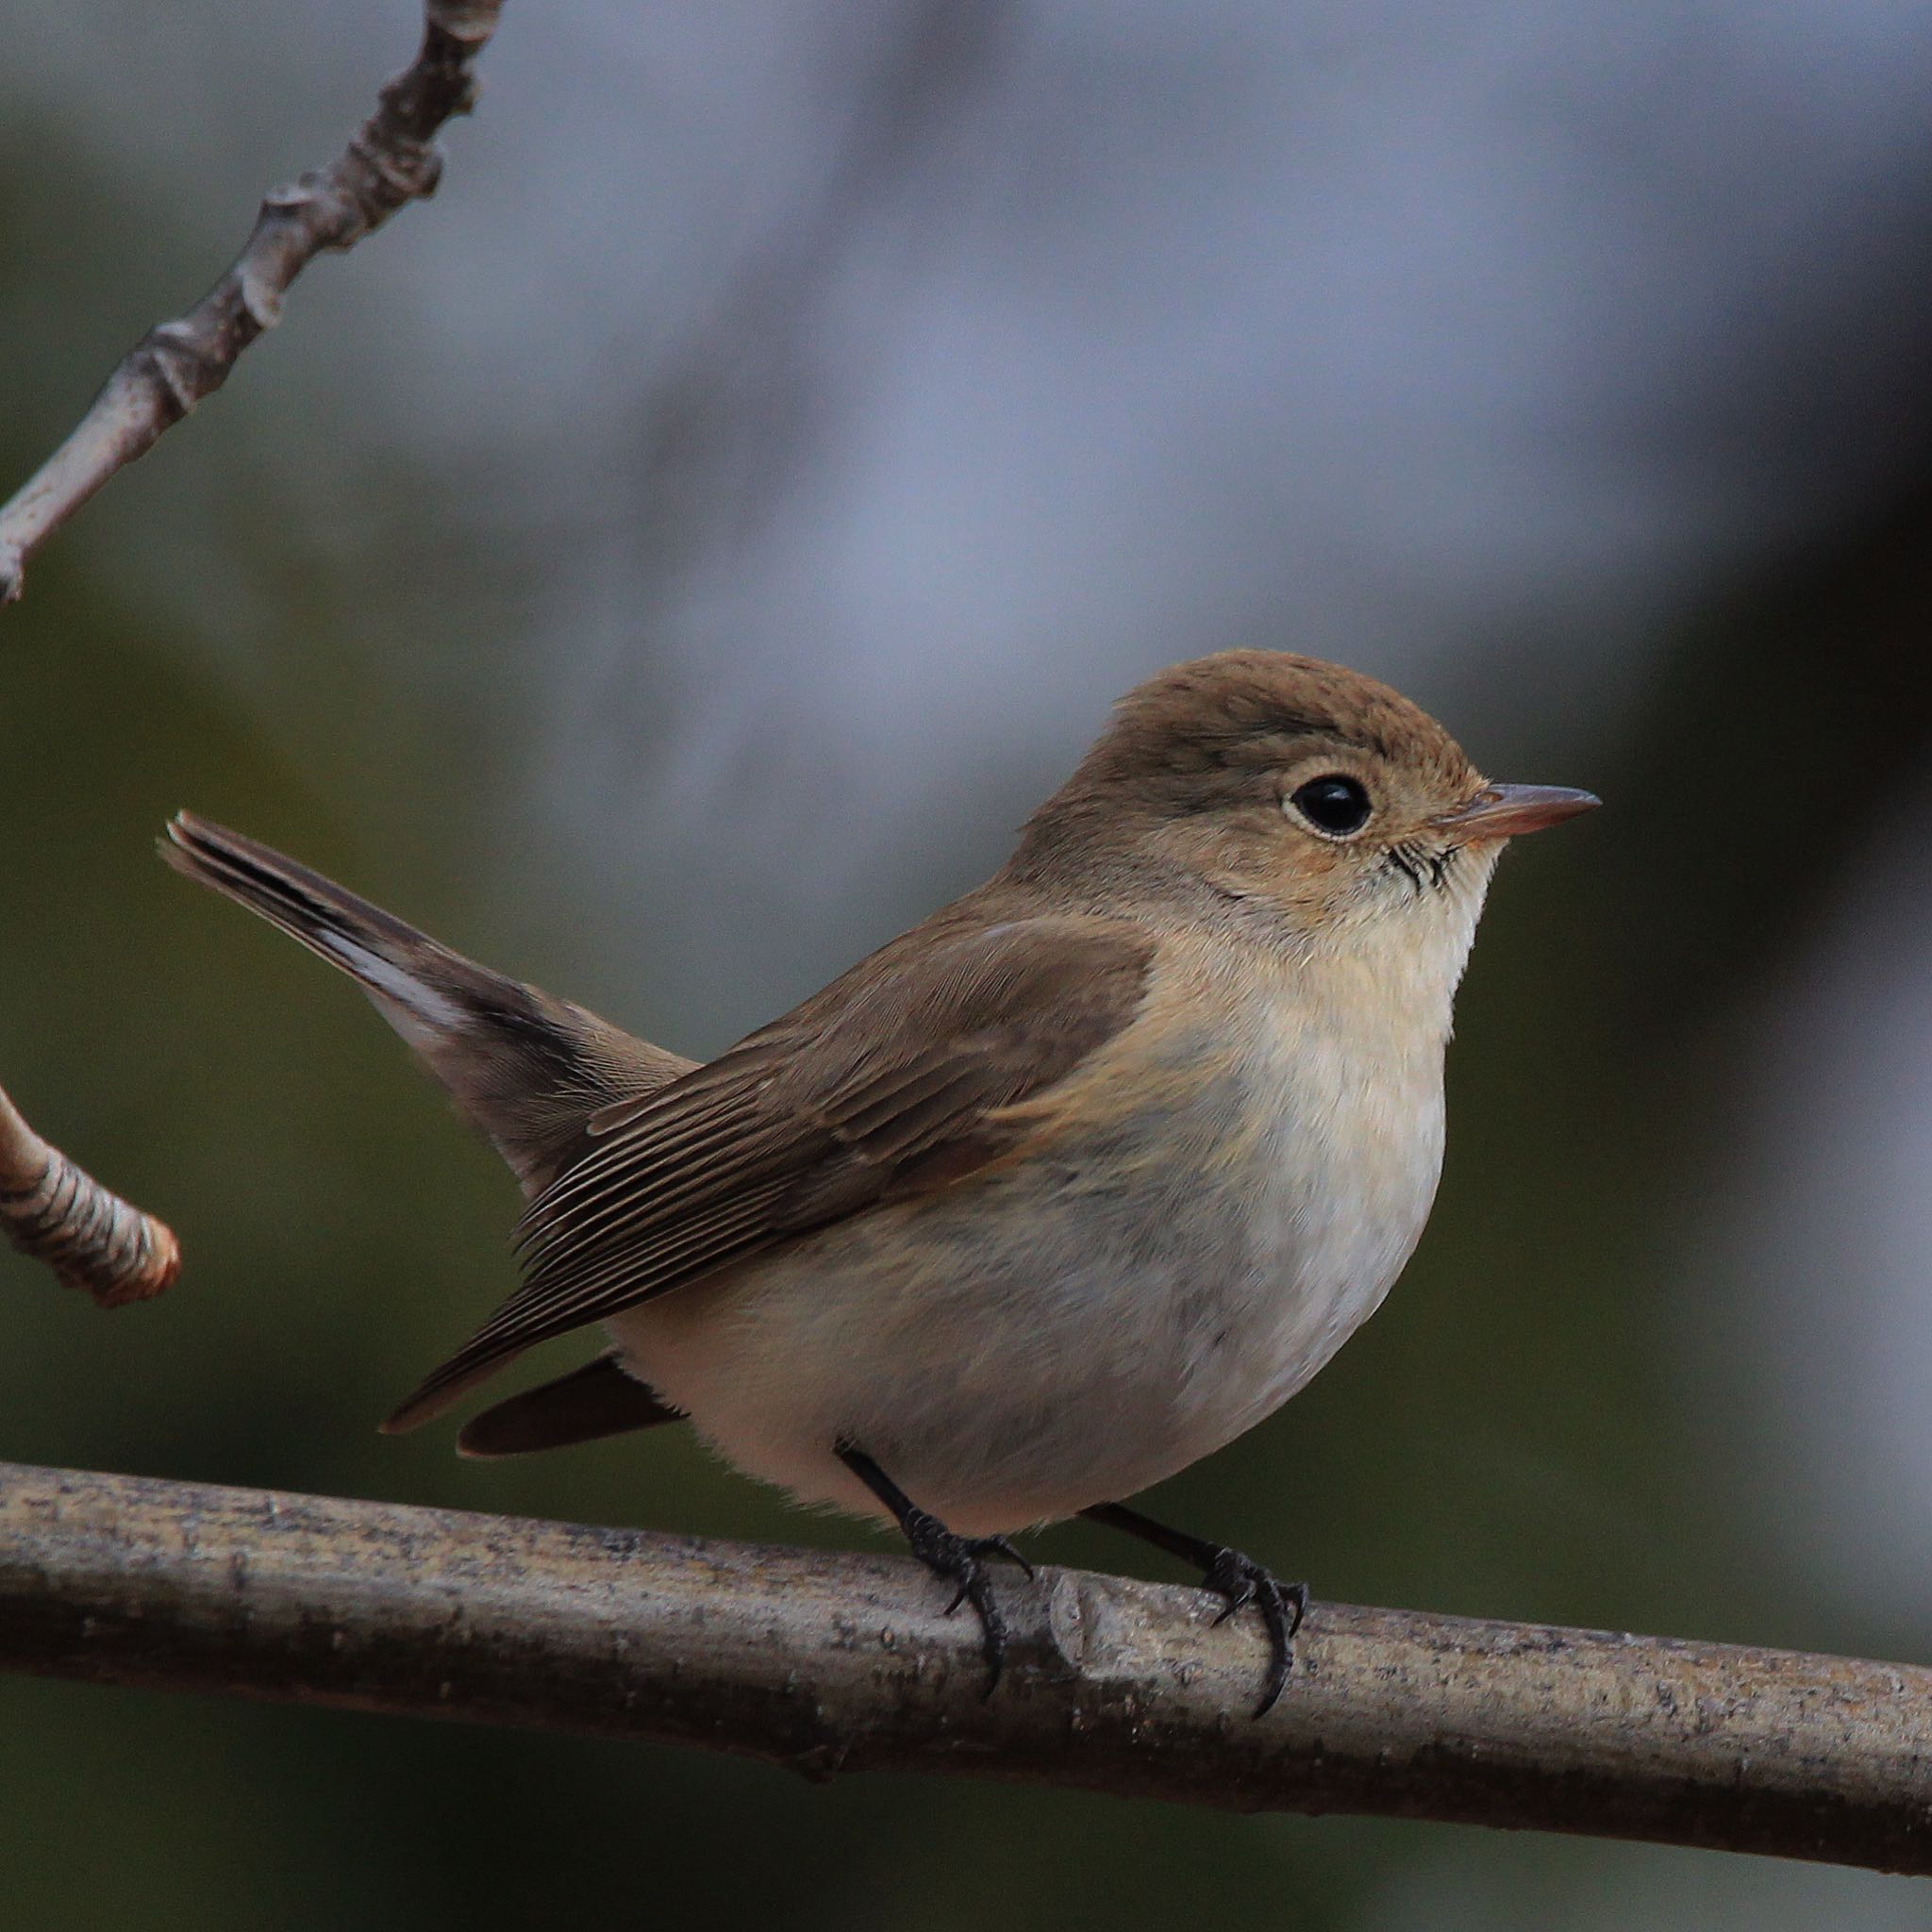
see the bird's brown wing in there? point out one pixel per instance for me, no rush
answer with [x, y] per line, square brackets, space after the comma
[890, 1083]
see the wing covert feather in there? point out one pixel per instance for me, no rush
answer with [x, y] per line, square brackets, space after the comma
[887, 1084]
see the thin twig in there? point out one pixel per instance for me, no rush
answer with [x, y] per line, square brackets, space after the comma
[838, 1663]
[92, 1239]
[392, 161]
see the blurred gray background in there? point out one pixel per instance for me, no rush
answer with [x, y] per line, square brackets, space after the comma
[680, 554]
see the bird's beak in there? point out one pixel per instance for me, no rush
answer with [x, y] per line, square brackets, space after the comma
[1504, 811]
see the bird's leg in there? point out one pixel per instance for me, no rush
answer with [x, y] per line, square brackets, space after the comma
[958, 1558]
[1237, 1579]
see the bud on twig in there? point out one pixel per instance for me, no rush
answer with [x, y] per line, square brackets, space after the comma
[92, 1239]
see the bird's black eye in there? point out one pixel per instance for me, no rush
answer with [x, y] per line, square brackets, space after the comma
[1334, 805]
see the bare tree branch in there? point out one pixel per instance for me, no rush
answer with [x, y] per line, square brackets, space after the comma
[837, 1663]
[92, 1239]
[391, 160]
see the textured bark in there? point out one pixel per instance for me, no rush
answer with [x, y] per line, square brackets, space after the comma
[391, 160]
[92, 1239]
[835, 1663]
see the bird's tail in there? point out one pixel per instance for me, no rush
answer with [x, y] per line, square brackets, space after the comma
[525, 1068]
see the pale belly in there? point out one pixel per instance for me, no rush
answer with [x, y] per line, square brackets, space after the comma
[1070, 1329]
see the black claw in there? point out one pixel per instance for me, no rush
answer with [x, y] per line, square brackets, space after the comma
[999, 1546]
[1241, 1581]
[1237, 1579]
[960, 1560]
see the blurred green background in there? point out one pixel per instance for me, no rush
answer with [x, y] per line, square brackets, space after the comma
[678, 555]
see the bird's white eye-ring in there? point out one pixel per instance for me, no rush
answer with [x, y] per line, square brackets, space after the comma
[1334, 805]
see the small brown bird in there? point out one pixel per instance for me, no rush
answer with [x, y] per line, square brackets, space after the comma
[1055, 1194]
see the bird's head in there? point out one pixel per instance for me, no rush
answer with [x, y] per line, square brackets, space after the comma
[1306, 795]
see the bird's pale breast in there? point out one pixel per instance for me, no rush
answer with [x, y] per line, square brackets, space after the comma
[1224, 1198]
